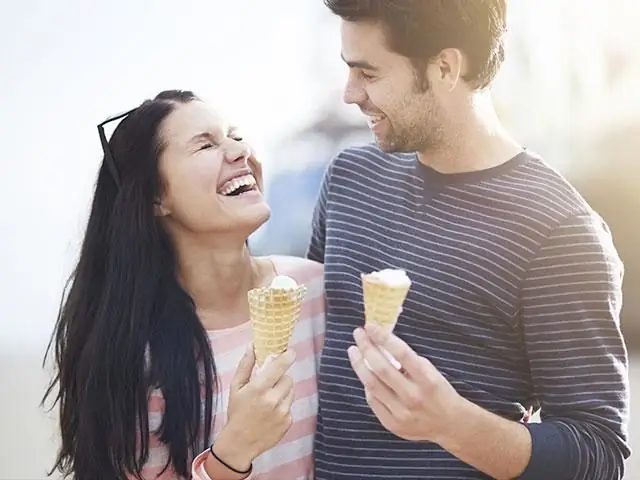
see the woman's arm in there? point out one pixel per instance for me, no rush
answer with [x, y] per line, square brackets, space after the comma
[258, 417]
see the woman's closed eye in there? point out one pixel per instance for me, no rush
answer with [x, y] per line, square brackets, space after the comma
[235, 134]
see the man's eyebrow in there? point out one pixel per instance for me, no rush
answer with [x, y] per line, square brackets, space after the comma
[363, 65]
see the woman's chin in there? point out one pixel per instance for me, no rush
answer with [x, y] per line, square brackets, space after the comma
[254, 217]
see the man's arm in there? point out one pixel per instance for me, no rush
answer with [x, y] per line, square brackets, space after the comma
[571, 303]
[315, 250]
[570, 322]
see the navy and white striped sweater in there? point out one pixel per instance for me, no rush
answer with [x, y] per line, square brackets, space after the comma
[516, 298]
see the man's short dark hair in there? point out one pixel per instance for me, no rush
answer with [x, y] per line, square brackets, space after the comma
[420, 29]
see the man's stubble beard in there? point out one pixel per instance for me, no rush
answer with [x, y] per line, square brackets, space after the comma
[422, 135]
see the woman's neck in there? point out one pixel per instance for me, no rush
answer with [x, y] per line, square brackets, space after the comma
[218, 279]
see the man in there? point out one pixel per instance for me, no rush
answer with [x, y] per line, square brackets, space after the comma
[516, 287]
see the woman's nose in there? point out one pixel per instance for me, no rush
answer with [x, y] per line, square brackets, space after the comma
[236, 151]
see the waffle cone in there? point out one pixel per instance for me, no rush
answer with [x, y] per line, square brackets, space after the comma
[382, 302]
[273, 313]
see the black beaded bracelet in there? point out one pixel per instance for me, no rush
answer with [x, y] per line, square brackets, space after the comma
[239, 472]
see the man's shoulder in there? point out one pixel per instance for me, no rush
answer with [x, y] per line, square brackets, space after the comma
[550, 189]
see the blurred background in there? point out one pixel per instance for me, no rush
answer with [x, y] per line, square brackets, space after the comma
[568, 90]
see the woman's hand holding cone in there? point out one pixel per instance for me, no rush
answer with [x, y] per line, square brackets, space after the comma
[259, 410]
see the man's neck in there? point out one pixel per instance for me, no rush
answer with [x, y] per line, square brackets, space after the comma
[477, 141]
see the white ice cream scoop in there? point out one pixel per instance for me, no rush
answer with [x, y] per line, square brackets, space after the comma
[282, 282]
[392, 276]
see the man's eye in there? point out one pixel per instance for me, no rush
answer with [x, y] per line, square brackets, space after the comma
[237, 137]
[204, 146]
[366, 76]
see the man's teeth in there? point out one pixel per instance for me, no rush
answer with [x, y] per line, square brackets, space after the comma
[233, 185]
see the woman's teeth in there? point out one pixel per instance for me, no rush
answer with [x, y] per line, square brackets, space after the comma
[232, 185]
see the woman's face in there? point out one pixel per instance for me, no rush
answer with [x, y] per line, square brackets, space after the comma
[211, 180]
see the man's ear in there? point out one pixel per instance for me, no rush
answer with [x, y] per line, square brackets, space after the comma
[449, 66]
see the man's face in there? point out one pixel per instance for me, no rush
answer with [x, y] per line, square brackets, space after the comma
[403, 114]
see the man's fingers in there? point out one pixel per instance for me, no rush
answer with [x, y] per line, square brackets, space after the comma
[381, 365]
[411, 362]
[373, 386]
[380, 409]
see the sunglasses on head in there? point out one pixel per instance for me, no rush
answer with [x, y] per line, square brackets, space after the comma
[108, 156]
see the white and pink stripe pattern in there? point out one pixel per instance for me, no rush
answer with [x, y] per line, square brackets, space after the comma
[292, 458]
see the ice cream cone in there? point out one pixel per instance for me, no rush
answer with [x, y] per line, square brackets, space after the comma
[383, 297]
[274, 312]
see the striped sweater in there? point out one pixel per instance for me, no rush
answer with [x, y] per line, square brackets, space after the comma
[516, 298]
[292, 458]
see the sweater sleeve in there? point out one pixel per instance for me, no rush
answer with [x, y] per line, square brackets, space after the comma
[571, 302]
[315, 250]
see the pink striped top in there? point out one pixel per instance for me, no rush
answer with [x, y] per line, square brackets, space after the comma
[292, 458]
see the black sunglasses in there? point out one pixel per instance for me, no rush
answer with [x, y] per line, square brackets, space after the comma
[108, 156]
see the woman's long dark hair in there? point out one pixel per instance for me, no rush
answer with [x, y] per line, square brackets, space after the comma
[126, 326]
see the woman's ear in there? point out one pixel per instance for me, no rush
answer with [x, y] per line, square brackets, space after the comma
[160, 209]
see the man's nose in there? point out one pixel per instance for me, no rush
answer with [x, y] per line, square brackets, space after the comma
[353, 92]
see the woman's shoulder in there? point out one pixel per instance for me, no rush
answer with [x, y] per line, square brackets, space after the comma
[300, 269]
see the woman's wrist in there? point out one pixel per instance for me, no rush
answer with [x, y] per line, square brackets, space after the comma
[227, 452]
[242, 471]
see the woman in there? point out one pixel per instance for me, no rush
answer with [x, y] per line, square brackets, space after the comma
[155, 372]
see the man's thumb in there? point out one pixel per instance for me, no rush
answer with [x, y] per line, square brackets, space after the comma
[244, 370]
